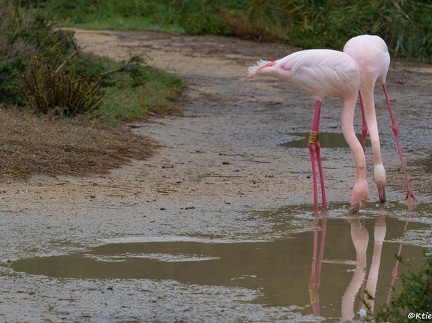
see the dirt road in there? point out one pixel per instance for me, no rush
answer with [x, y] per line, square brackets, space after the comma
[221, 155]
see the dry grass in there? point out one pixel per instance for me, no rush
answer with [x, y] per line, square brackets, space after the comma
[31, 145]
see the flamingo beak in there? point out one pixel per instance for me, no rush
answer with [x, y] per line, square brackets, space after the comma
[355, 208]
[381, 194]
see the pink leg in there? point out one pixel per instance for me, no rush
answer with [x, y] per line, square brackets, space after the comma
[395, 268]
[314, 150]
[324, 200]
[313, 284]
[322, 244]
[315, 277]
[312, 153]
[364, 126]
[410, 196]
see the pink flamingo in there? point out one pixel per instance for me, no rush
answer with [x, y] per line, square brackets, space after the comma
[325, 73]
[373, 59]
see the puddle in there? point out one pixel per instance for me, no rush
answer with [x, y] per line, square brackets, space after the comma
[327, 140]
[319, 270]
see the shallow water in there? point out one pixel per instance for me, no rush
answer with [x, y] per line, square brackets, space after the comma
[312, 265]
[327, 140]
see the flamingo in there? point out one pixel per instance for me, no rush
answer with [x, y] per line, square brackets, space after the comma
[325, 73]
[372, 57]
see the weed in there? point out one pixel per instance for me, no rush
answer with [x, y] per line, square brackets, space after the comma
[58, 93]
[415, 296]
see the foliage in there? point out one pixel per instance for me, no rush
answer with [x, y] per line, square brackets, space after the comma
[405, 25]
[58, 93]
[131, 89]
[415, 296]
[68, 81]
[21, 39]
[42, 68]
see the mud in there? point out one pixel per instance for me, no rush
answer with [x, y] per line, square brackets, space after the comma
[222, 161]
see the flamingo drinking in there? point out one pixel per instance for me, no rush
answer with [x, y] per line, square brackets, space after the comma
[373, 59]
[325, 73]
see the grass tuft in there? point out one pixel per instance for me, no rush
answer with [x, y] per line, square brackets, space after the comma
[58, 93]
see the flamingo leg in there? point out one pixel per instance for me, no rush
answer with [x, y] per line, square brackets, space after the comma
[364, 125]
[315, 277]
[312, 152]
[410, 196]
[395, 269]
[313, 284]
[315, 154]
[320, 169]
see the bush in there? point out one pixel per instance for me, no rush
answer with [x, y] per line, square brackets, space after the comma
[404, 25]
[415, 296]
[21, 39]
[58, 93]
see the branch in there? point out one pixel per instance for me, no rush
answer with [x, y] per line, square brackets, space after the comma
[66, 60]
[70, 56]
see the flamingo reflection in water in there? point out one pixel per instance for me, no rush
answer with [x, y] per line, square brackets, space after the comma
[315, 277]
[363, 283]
[360, 238]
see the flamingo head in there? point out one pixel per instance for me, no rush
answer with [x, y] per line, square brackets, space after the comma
[359, 197]
[381, 194]
[380, 181]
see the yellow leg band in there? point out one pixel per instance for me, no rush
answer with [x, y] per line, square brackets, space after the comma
[313, 137]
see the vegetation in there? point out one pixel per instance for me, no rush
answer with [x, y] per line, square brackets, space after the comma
[405, 25]
[53, 66]
[415, 297]
[43, 71]
[32, 145]
[44, 78]
[56, 95]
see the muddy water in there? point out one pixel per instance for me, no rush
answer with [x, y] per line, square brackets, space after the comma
[333, 261]
[327, 140]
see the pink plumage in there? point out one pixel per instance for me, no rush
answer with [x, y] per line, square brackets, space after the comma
[319, 72]
[324, 73]
[372, 56]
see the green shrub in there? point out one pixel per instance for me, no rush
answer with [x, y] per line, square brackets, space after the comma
[414, 297]
[404, 25]
[59, 93]
[21, 39]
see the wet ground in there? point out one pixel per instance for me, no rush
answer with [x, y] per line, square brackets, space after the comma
[217, 227]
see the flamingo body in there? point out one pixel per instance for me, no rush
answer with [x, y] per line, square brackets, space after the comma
[373, 59]
[371, 54]
[325, 73]
[319, 72]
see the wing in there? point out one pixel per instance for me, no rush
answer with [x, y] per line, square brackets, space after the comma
[322, 73]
